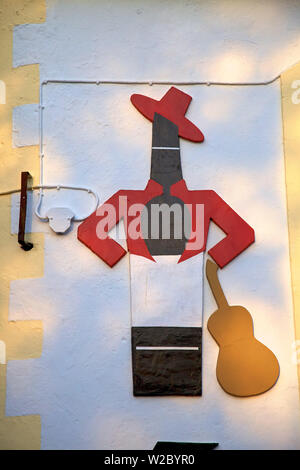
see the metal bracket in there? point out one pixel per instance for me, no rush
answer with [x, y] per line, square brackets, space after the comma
[25, 176]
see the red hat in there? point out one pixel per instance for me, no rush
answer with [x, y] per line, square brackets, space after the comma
[172, 106]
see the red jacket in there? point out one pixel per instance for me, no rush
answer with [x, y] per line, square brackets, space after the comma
[239, 235]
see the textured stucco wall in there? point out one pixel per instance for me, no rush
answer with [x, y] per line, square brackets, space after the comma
[290, 85]
[81, 386]
[22, 339]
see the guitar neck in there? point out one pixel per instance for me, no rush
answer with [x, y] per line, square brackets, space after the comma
[216, 288]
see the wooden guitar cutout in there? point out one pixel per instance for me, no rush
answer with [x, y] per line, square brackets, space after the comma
[245, 366]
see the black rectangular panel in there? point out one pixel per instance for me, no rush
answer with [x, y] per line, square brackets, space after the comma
[166, 372]
[167, 336]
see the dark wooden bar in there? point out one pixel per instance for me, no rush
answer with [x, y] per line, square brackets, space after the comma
[25, 178]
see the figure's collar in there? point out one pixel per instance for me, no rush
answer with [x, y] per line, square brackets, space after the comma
[154, 187]
[178, 187]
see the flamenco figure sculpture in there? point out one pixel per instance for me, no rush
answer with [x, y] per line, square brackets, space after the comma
[166, 262]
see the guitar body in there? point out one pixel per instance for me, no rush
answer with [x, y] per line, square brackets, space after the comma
[245, 366]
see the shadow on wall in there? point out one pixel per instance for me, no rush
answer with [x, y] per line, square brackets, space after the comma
[224, 40]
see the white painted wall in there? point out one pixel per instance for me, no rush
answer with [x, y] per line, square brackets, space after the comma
[2, 352]
[81, 385]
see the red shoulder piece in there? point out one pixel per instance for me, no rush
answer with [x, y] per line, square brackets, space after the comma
[239, 234]
[123, 204]
[93, 231]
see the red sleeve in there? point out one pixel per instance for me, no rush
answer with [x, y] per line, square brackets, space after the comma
[93, 231]
[239, 234]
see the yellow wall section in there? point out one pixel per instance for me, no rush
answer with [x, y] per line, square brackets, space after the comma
[23, 339]
[291, 135]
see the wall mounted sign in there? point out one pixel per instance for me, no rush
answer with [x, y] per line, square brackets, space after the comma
[166, 228]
